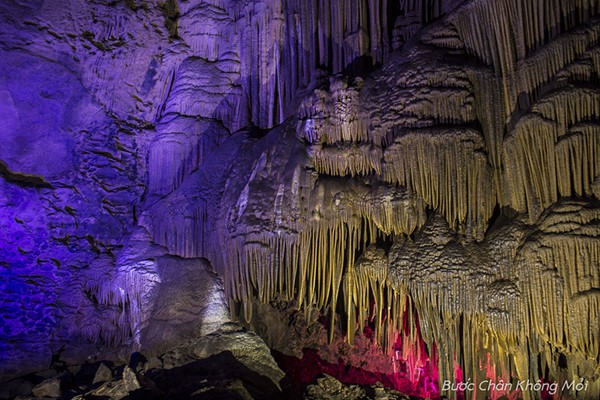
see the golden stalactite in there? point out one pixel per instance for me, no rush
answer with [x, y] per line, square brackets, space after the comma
[350, 160]
[562, 304]
[519, 132]
[449, 170]
[483, 28]
[552, 152]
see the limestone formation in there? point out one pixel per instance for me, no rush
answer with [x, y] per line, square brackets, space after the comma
[422, 177]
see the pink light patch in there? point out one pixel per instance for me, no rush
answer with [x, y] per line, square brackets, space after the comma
[306, 370]
[414, 373]
[415, 370]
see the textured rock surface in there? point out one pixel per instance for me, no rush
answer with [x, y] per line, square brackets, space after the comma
[330, 388]
[230, 363]
[48, 388]
[103, 374]
[443, 197]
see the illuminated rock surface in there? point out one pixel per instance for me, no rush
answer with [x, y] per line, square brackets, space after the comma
[403, 191]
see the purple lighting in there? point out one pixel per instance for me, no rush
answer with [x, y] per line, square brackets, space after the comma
[401, 194]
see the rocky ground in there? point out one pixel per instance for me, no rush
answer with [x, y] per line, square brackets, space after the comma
[232, 363]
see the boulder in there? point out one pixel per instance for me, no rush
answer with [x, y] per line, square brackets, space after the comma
[103, 374]
[48, 388]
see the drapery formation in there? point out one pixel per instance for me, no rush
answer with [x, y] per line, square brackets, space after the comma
[459, 194]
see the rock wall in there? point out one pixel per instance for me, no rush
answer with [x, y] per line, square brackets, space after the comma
[443, 195]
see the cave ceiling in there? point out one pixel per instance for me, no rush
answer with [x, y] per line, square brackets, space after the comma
[429, 170]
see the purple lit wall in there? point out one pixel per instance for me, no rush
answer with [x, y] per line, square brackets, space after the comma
[67, 199]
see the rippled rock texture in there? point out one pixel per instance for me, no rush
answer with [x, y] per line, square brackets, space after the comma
[406, 187]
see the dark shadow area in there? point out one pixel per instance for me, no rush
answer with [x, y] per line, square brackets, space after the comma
[23, 180]
[220, 376]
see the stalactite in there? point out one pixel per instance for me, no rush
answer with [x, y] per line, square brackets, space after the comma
[530, 165]
[204, 89]
[347, 130]
[393, 211]
[562, 304]
[419, 97]
[414, 14]
[335, 117]
[171, 158]
[183, 232]
[206, 27]
[299, 229]
[488, 95]
[122, 298]
[480, 24]
[569, 106]
[288, 42]
[444, 36]
[307, 259]
[374, 292]
[578, 153]
[475, 319]
[307, 268]
[441, 106]
[541, 66]
[550, 153]
[448, 170]
[348, 160]
[348, 122]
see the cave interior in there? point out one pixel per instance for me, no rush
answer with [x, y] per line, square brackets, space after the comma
[328, 199]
